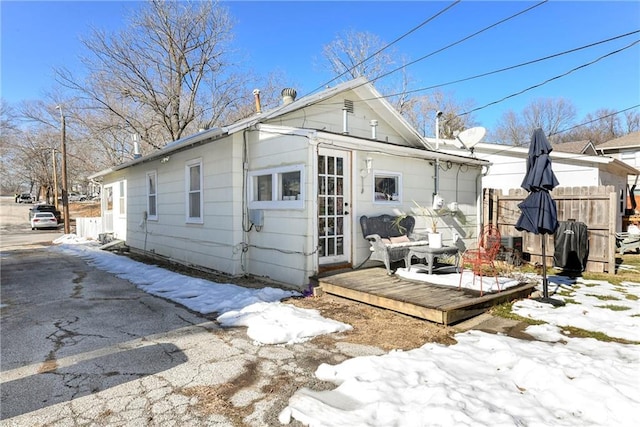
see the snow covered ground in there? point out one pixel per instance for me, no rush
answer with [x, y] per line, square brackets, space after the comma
[484, 379]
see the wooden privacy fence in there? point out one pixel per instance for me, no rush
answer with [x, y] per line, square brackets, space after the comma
[597, 207]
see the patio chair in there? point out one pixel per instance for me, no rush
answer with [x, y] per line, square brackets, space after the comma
[481, 259]
[626, 241]
[390, 238]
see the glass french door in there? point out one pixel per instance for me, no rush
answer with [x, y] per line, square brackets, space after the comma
[333, 207]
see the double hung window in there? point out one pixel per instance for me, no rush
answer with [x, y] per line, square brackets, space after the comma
[194, 202]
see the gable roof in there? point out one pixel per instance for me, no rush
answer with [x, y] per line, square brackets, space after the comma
[630, 140]
[361, 87]
[486, 151]
[576, 147]
[366, 93]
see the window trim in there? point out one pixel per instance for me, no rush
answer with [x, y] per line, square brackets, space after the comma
[386, 174]
[276, 202]
[153, 173]
[122, 198]
[187, 169]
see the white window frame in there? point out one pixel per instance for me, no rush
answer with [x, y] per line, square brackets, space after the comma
[397, 198]
[122, 199]
[277, 201]
[153, 174]
[187, 174]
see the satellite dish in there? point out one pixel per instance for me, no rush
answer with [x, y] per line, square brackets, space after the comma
[470, 137]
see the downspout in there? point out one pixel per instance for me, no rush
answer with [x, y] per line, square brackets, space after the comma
[246, 227]
[479, 199]
[436, 177]
[312, 199]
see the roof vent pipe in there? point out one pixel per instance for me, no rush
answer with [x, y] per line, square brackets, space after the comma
[256, 94]
[288, 95]
[374, 125]
[136, 146]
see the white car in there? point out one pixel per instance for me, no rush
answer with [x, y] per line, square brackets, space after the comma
[77, 197]
[44, 220]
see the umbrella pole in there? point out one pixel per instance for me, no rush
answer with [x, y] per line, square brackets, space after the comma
[545, 285]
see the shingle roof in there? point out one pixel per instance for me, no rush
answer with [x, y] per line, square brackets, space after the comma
[631, 140]
[576, 147]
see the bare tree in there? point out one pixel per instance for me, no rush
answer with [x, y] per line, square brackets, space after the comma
[160, 76]
[550, 114]
[632, 121]
[510, 130]
[423, 111]
[354, 54]
[10, 182]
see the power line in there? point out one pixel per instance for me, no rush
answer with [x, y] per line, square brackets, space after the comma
[461, 40]
[511, 67]
[551, 79]
[446, 47]
[390, 44]
[577, 156]
[522, 64]
[594, 120]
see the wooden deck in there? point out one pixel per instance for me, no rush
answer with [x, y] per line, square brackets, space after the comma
[436, 303]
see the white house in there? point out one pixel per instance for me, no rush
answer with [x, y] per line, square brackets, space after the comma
[508, 167]
[626, 149]
[280, 194]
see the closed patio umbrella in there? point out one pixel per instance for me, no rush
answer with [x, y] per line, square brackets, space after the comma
[538, 211]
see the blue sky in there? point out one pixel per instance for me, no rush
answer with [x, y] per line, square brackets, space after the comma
[289, 36]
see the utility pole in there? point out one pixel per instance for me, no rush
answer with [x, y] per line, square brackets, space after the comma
[65, 194]
[55, 178]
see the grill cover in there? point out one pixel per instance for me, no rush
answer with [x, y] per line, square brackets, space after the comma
[571, 246]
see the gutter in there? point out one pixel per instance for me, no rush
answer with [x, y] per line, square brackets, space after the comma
[354, 143]
[172, 147]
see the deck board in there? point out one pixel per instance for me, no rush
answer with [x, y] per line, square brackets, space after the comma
[436, 303]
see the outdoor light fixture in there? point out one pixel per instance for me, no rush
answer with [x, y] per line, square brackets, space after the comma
[368, 166]
[165, 159]
[364, 172]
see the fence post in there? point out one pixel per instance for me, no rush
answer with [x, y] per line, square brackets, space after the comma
[613, 210]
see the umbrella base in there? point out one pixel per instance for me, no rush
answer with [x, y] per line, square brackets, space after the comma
[553, 302]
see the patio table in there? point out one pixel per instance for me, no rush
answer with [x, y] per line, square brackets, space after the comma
[430, 253]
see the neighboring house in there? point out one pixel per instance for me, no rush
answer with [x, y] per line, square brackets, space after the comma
[627, 149]
[508, 167]
[573, 169]
[576, 147]
[280, 194]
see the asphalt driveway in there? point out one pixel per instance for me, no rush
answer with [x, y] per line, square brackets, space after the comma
[79, 345]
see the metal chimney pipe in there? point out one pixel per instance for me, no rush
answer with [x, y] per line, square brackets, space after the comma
[256, 94]
[136, 146]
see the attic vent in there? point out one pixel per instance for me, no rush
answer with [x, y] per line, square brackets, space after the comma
[348, 105]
